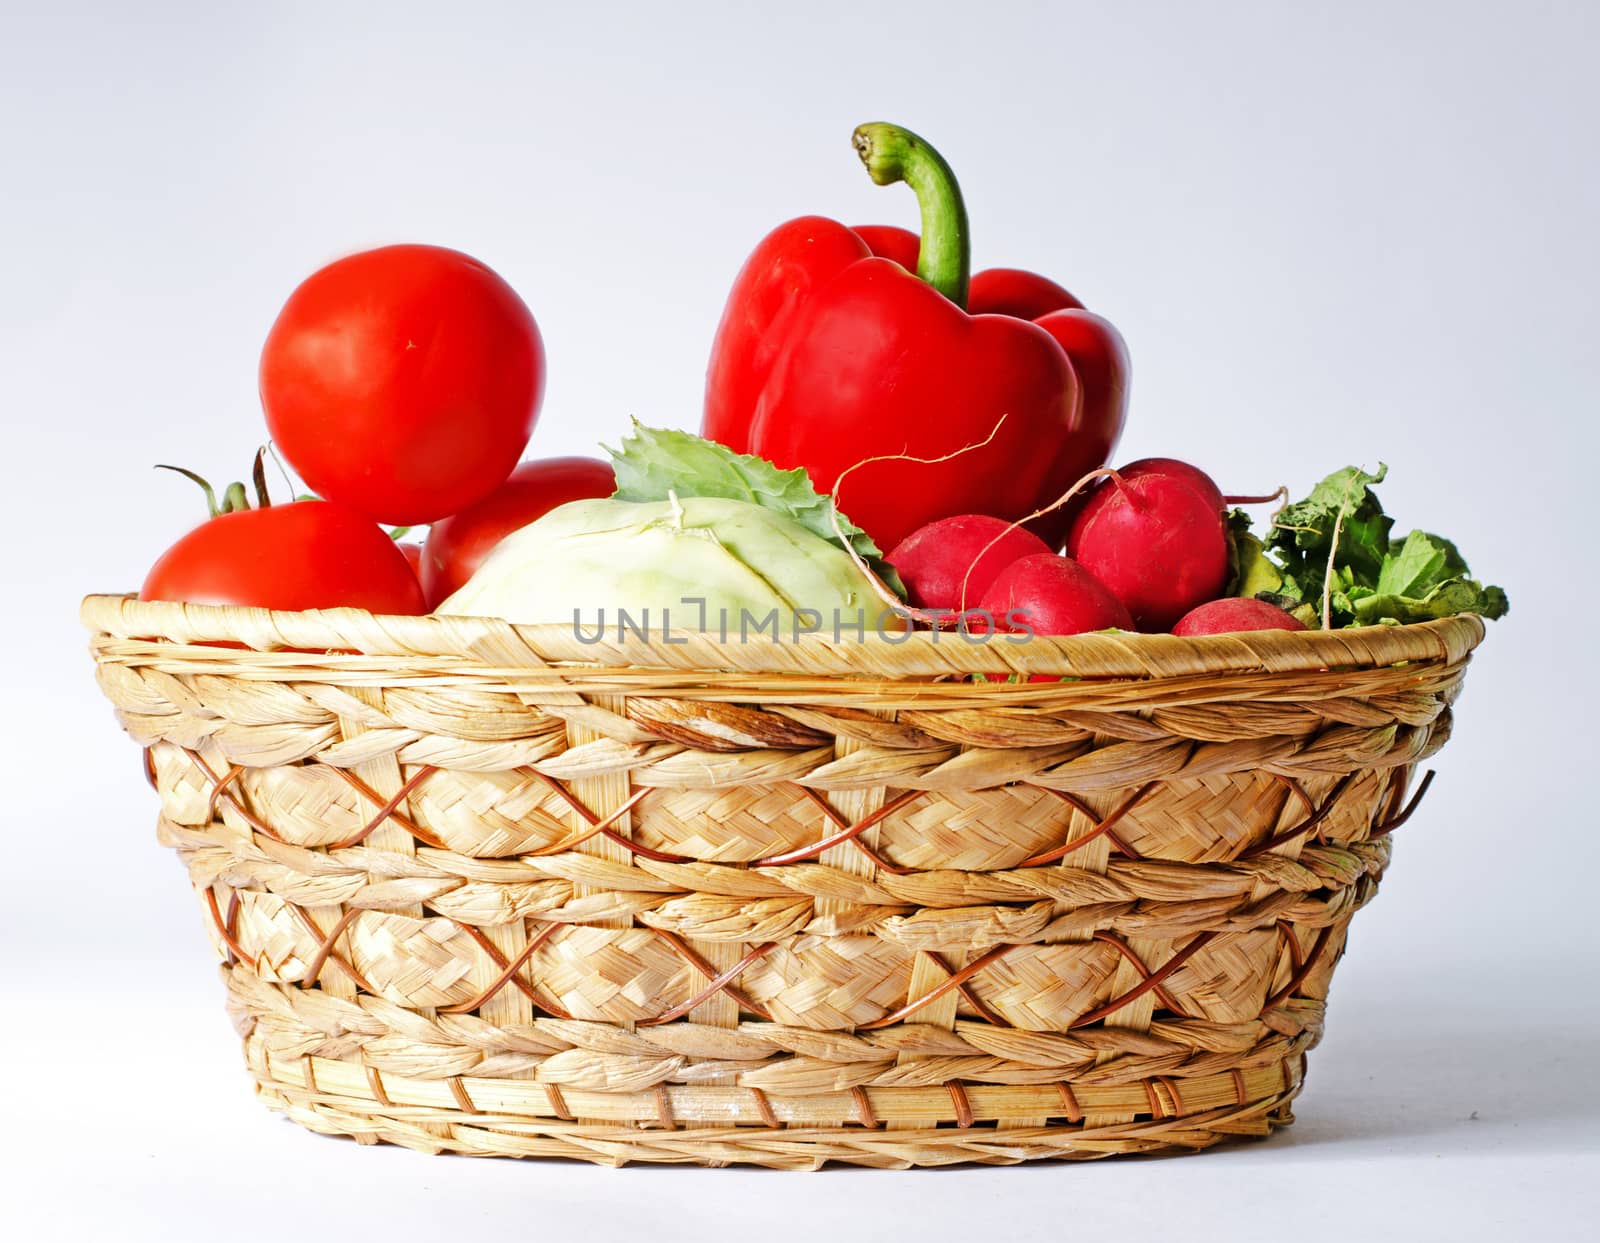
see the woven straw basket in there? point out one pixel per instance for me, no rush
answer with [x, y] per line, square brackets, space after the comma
[490, 889]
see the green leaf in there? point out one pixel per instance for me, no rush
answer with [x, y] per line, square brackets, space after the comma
[1345, 502]
[1375, 580]
[1251, 572]
[1447, 599]
[1418, 563]
[1304, 613]
[1425, 576]
[654, 461]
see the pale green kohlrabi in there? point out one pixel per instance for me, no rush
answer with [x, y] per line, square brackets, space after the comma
[586, 556]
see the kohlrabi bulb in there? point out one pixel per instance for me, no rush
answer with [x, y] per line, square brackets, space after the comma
[586, 556]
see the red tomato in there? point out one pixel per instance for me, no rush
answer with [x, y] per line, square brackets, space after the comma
[457, 546]
[403, 382]
[412, 552]
[308, 555]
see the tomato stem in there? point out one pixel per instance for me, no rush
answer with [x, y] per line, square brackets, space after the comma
[892, 153]
[234, 498]
[205, 486]
[258, 475]
[282, 469]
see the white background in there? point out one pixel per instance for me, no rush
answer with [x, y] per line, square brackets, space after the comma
[1331, 233]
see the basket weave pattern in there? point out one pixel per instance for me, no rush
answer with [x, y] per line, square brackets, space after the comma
[488, 889]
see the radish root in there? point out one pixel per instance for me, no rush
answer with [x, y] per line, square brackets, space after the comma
[1103, 472]
[1280, 495]
[1333, 552]
[942, 619]
[938, 620]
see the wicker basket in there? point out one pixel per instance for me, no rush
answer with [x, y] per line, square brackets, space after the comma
[490, 889]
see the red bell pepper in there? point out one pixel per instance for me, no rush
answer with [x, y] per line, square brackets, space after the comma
[1092, 343]
[828, 355]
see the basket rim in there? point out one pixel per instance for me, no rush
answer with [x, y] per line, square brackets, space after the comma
[349, 637]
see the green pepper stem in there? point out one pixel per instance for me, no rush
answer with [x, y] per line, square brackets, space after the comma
[892, 153]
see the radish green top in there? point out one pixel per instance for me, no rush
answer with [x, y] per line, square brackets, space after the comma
[1331, 560]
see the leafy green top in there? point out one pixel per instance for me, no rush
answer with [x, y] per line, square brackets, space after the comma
[1334, 550]
[654, 461]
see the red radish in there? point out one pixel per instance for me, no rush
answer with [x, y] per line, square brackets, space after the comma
[1052, 595]
[1156, 535]
[1233, 615]
[934, 559]
[1190, 474]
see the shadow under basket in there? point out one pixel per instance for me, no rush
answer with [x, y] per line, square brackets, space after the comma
[500, 890]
